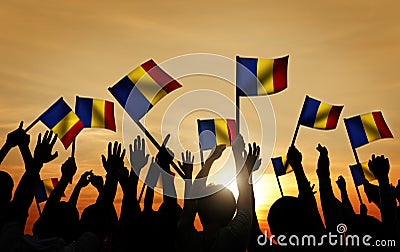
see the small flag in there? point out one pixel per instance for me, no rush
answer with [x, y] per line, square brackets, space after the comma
[45, 187]
[357, 174]
[270, 73]
[319, 115]
[365, 128]
[142, 88]
[63, 121]
[95, 113]
[279, 166]
[367, 172]
[213, 132]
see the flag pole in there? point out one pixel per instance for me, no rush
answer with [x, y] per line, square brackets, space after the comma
[31, 125]
[141, 192]
[279, 183]
[296, 131]
[201, 158]
[237, 100]
[38, 207]
[157, 145]
[73, 149]
[358, 166]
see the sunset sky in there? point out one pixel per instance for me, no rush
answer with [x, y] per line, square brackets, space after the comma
[341, 52]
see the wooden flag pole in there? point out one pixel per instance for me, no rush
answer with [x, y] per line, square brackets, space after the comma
[158, 146]
[358, 166]
[31, 125]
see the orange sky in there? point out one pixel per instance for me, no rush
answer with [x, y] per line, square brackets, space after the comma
[340, 52]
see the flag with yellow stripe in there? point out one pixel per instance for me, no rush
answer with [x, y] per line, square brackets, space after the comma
[319, 115]
[95, 113]
[365, 128]
[63, 121]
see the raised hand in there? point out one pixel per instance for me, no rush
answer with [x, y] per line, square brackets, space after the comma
[238, 147]
[44, 147]
[217, 152]
[379, 166]
[97, 182]
[68, 169]
[187, 164]
[341, 183]
[252, 158]
[18, 137]
[115, 158]
[323, 161]
[138, 157]
[294, 156]
[85, 179]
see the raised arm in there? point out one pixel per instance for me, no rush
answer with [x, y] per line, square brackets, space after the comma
[26, 188]
[83, 182]
[187, 167]
[113, 164]
[14, 138]
[380, 167]
[341, 183]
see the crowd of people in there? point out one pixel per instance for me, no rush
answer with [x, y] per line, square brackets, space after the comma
[228, 224]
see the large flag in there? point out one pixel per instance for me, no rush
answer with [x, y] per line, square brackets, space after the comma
[95, 113]
[270, 73]
[45, 187]
[279, 166]
[63, 121]
[213, 132]
[365, 128]
[142, 88]
[319, 115]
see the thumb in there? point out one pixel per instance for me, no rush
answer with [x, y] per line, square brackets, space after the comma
[104, 160]
[53, 156]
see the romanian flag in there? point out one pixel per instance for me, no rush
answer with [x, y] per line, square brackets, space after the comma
[142, 88]
[365, 128]
[319, 115]
[95, 113]
[255, 76]
[63, 121]
[44, 189]
[360, 174]
[279, 166]
[213, 132]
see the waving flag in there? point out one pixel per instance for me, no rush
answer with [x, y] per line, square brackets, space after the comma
[45, 187]
[279, 166]
[95, 113]
[214, 132]
[319, 115]
[365, 128]
[270, 73]
[63, 121]
[142, 88]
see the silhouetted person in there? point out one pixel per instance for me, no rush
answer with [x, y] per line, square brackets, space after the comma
[379, 166]
[222, 229]
[101, 218]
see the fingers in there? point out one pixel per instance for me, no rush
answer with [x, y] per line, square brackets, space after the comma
[123, 154]
[104, 160]
[130, 149]
[39, 140]
[166, 139]
[183, 156]
[143, 144]
[45, 136]
[21, 124]
[109, 148]
[115, 148]
[135, 143]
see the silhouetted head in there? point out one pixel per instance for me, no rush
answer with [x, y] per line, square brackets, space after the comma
[287, 215]
[61, 220]
[218, 208]
[99, 219]
[6, 188]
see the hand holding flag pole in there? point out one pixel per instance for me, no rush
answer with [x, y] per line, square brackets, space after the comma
[363, 129]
